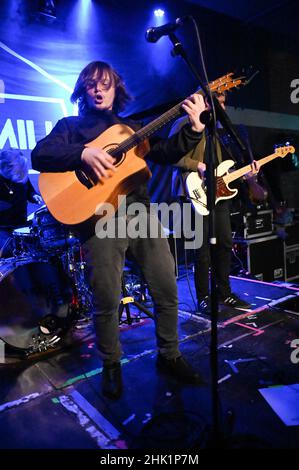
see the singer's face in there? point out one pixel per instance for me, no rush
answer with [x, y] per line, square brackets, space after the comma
[100, 92]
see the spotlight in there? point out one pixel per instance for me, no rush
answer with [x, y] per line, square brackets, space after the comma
[159, 13]
[47, 8]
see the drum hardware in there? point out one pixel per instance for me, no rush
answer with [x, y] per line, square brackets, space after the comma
[133, 293]
[137, 288]
[41, 344]
[82, 303]
[38, 345]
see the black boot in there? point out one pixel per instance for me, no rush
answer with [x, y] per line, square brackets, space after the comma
[112, 381]
[180, 369]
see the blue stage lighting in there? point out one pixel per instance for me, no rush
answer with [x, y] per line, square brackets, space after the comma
[81, 16]
[159, 13]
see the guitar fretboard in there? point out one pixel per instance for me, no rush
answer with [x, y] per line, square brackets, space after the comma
[148, 130]
[223, 83]
[246, 169]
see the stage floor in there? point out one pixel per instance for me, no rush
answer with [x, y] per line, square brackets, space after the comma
[56, 402]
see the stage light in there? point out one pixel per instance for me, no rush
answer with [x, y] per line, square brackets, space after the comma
[47, 8]
[159, 13]
[81, 17]
[85, 13]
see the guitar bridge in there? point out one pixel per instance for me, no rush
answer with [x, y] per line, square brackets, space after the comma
[196, 194]
[84, 179]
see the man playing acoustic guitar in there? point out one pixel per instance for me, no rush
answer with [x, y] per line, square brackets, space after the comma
[101, 95]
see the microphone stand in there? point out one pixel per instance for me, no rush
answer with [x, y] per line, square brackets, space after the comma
[206, 117]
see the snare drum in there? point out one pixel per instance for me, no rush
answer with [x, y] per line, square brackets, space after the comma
[53, 236]
[25, 242]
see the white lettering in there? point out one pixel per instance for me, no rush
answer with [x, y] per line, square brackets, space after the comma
[295, 93]
[48, 126]
[104, 228]
[111, 460]
[2, 90]
[295, 353]
[22, 131]
[2, 352]
[8, 134]
[22, 134]
[30, 134]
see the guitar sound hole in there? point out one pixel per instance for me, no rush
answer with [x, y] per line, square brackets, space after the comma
[113, 150]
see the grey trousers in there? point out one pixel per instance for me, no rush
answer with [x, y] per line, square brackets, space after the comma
[105, 258]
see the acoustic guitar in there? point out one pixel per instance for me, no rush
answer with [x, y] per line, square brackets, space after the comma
[72, 197]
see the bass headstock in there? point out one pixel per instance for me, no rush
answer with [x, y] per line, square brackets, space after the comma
[282, 151]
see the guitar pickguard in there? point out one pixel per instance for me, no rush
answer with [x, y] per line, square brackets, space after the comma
[223, 191]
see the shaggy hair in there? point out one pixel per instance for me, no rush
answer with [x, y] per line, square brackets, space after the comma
[98, 69]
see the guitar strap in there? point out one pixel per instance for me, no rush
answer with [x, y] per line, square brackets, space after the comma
[218, 149]
[225, 142]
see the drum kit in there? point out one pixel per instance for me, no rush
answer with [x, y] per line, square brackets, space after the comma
[43, 288]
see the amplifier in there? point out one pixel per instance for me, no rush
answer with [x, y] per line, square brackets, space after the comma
[290, 233]
[291, 262]
[252, 225]
[263, 257]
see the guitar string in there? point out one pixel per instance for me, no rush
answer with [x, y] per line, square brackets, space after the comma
[153, 126]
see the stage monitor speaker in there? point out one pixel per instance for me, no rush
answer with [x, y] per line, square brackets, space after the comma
[263, 257]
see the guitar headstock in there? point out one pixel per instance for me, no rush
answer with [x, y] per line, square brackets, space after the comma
[283, 151]
[226, 82]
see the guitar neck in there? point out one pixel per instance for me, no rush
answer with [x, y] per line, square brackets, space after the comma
[150, 129]
[246, 169]
[223, 83]
[219, 85]
[155, 125]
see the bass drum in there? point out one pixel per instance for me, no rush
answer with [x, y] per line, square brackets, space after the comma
[33, 295]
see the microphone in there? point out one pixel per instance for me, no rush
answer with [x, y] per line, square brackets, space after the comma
[155, 33]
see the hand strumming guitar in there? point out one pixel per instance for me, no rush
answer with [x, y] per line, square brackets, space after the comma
[99, 162]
